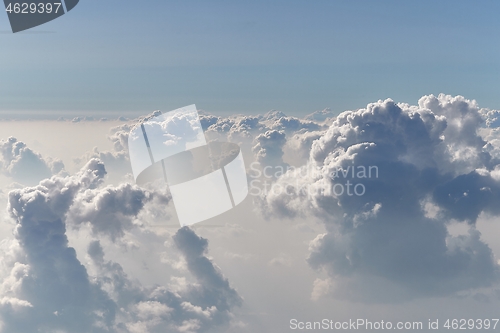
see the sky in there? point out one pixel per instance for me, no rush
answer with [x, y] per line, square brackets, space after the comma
[370, 137]
[250, 57]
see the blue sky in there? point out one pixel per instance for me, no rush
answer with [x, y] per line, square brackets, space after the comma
[250, 56]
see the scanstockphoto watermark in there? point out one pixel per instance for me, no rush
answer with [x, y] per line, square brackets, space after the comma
[357, 324]
[338, 181]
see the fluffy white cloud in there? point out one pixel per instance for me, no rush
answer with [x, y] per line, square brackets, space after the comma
[109, 210]
[298, 146]
[25, 165]
[368, 178]
[268, 149]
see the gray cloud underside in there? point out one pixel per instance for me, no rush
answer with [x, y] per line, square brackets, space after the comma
[48, 289]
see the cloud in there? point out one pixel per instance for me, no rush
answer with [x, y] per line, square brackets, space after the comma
[207, 120]
[109, 210]
[176, 130]
[292, 124]
[80, 119]
[52, 280]
[321, 116]
[47, 288]
[273, 139]
[266, 136]
[298, 146]
[25, 165]
[282, 260]
[117, 160]
[179, 307]
[273, 115]
[379, 244]
[214, 289]
[238, 128]
[268, 149]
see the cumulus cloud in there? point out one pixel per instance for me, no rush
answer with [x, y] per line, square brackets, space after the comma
[368, 179]
[173, 131]
[298, 146]
[268, 149]
[116, 160]
[266, 137]
[239, 129]
[214, 289]
[273, 115]
[321, 116]
[207, 120]
[293, 124]
[47, 289]
[109, 210]
[25, 165]
[84, 118]
[380, 243]
[178, 307]
[50, 278]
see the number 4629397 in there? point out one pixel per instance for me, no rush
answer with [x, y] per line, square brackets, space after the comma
[32, 8]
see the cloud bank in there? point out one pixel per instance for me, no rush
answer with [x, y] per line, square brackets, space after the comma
[422, 168]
